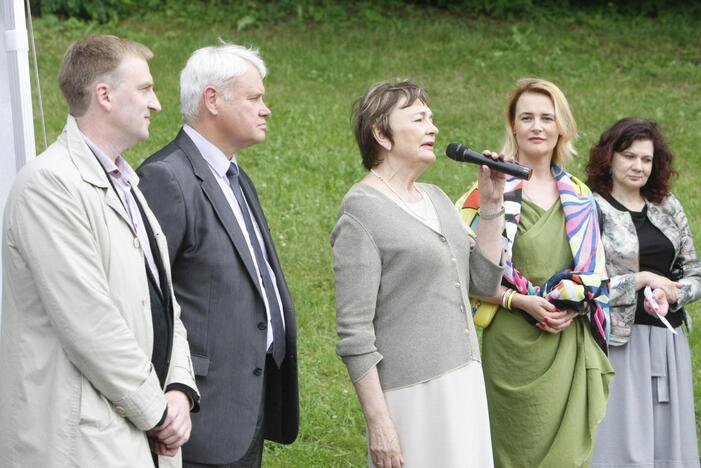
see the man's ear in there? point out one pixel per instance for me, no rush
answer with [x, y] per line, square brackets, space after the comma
[102, 96]
[210, 98]
[381, 139]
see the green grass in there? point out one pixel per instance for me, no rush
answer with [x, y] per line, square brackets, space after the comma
[608, 68]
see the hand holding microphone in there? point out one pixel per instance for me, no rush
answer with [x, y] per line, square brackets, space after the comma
[491, 199]
[461, 153]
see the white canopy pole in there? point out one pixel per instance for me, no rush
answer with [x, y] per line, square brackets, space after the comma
[17, 126]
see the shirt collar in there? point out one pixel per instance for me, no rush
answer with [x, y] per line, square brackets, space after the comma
[117, 168]
[214, 157]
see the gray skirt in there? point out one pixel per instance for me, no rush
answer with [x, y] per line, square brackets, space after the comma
[650, 421]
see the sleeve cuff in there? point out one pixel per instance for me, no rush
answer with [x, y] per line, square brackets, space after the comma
[622, 290]
[485, 275]
[144, 407]
[359, 365]
[163, 418]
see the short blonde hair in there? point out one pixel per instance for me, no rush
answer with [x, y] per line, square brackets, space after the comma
[89, 60]
[564, 149]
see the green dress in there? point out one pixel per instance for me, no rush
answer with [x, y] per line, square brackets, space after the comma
[547, 392]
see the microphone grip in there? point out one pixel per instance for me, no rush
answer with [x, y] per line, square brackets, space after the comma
[462, 153]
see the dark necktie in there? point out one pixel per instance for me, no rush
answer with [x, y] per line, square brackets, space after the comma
[278, 346]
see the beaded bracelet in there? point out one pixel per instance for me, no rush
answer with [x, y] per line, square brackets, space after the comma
[494, 215]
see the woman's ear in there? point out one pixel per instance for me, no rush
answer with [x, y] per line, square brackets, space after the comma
[381, 139]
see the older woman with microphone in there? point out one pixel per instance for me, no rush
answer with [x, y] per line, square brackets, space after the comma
[404, 267]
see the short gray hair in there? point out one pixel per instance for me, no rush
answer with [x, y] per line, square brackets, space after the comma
[216, 66]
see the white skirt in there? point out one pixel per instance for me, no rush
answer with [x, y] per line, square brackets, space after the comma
[443, 422]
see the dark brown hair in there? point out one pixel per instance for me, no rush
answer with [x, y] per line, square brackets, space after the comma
[91, 59]
[372, 111]
[619, 137]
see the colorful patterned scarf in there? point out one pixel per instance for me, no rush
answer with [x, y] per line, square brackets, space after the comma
[579, 287]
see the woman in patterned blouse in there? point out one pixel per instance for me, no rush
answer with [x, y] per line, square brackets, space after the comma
[647, 240]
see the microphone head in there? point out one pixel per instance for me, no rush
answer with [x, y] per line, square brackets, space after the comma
[454, 151]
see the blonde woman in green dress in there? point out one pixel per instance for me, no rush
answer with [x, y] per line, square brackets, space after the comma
[544, 360]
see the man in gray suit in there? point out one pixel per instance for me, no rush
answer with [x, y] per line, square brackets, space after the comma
[235, 302]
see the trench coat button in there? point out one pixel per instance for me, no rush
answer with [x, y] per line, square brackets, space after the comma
[136, 242]
[262, 326]
[258, 372]
[120, 411]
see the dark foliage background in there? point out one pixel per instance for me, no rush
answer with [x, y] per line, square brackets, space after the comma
[342, 11]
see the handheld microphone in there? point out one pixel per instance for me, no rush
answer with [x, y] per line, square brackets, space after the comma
[462, 153]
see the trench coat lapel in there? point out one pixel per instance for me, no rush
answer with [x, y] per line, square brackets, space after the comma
[90, 169]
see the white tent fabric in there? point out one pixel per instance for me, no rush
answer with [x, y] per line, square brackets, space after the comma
[17, 138]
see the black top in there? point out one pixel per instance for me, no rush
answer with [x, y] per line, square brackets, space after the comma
[656, 254]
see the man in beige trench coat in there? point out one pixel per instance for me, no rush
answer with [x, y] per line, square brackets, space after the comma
[95, 369]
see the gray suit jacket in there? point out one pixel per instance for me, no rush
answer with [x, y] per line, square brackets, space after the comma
[222, 306]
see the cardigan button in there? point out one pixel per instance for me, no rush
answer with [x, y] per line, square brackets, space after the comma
[454, 260]
[258, 372]
[443, 239]
[457, 284]
[136, 242]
